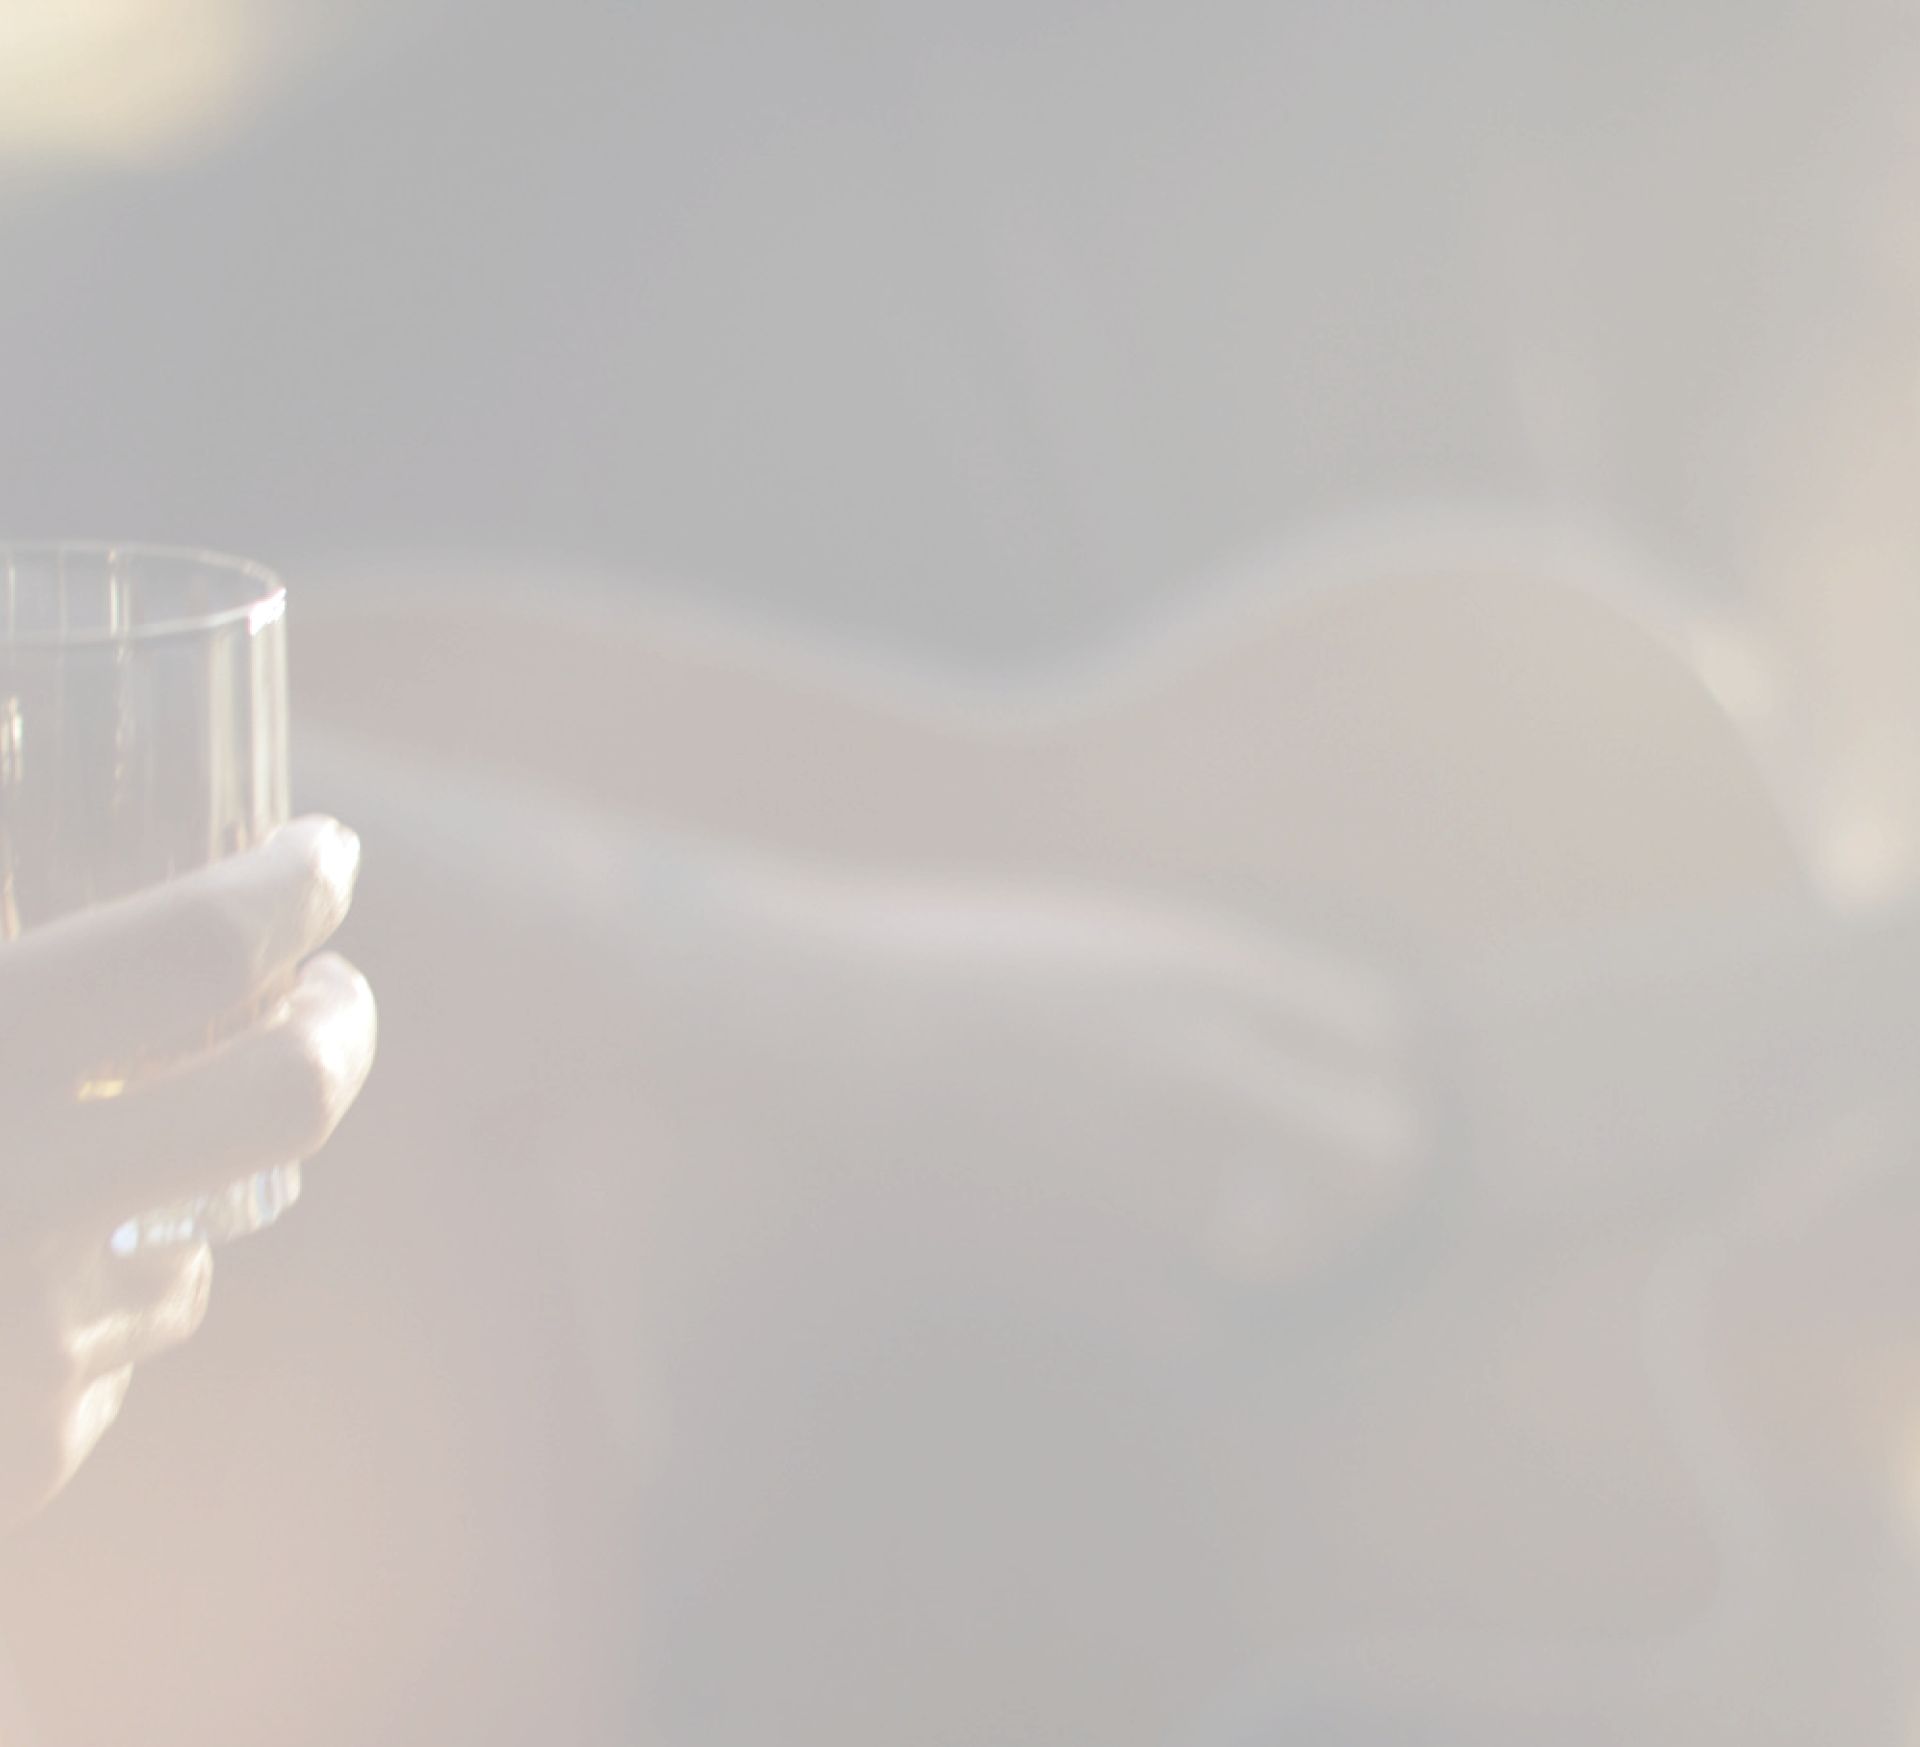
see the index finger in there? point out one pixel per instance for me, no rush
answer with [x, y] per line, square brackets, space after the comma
[157, 967]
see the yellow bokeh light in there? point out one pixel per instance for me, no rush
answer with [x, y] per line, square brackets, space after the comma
[128, 81]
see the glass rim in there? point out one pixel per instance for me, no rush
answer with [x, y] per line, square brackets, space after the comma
[265, 604]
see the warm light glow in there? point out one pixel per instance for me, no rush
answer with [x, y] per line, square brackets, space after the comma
[126, 81]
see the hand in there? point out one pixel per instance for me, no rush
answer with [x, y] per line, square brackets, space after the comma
[1120, 1100]
[147, 979]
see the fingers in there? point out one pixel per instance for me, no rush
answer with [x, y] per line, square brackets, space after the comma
[150, 1301]
[129, 1309]
[271, 1095]
[163, 964]
[97, 1408]
[64, 1370]
[49, 1436]
[131, 982]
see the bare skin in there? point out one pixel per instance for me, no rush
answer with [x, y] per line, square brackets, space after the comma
[150, 974]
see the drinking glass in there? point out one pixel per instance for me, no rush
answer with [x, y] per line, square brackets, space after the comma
[143, 733]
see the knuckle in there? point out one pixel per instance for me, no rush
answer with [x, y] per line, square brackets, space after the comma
[161, 1298]
[177, 1316]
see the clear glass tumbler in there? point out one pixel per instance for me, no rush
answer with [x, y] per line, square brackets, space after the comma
[143, 733]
